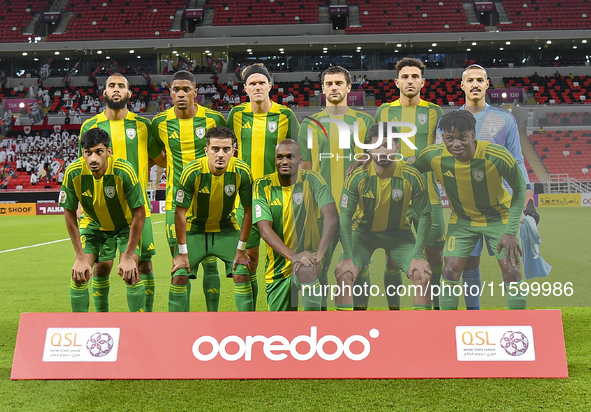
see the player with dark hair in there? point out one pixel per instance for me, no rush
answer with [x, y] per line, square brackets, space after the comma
[287, 206]
[323, 154]
[205, 220]
[112, 200]
[374, 206]
[259, 125]
[132, 140]
[424, 115]
[181, 130]
[493, 125]
[472, 172]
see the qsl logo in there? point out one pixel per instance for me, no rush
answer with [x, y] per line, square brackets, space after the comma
[514, 343]
[99, 344]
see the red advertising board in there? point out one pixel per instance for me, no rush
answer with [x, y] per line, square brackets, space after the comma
[272, 345]
[49, 208]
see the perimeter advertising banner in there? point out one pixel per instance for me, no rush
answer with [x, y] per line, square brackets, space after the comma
[272, 345]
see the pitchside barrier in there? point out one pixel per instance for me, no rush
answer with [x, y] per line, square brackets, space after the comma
[301, 345]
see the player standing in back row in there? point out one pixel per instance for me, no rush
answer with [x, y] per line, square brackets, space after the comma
[424, 115]
[259, 125]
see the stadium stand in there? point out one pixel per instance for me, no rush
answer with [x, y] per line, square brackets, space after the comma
[117, 19]
[547, 15]
[249, 12]
[564, 151]
[556, 89]
[15, 15]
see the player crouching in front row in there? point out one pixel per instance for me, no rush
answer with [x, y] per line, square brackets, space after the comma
[288, 204]
[207, 190]
[374, 206]
[113, 204]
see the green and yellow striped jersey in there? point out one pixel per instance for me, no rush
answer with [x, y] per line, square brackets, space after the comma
[259, 133]
[475, 188]
[425, 117]
[333, 168]
[210, 199]
[131, 139]
[294, 212]
[106, 202]
[183, 140]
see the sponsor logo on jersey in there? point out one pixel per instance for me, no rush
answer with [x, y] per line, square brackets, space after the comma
[174, 135]
[369, 195]
[151, 247]
[130, 133]
[422, 118]
[200, 132]
[204, 189]
[478, 175]
[298, 198]
[180, 196]
[229, 189]
[397, 194]
[344, 201]
[448, 174]
[258, 211]
[63, 197]
[276, 202]
[87, 193]
[272, 126]
[411, 160]
[247, 125]
[110, 191]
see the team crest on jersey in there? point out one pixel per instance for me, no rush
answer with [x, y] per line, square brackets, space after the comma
[298, 198]
[200, 132]
[27, 129]
[422, 118]
[478, 175]
[63, 197]
[272, 126]
[493, 129]
[180, 196]
[130, 133]
[397, 194]
[229, 189]
[411, 160]
[110, 191]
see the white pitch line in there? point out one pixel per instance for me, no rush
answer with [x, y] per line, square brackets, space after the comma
[40, 244]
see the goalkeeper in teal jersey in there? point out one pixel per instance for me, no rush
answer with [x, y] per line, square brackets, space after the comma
[374, 205]
[112, 200]
[472, 172]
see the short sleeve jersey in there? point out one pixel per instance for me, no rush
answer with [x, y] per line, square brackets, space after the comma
[131, 139]
[475, 188]
[209, 198]
[183, 140]
[320, 137]
[259, 133]
[294, 211]
[106, 202]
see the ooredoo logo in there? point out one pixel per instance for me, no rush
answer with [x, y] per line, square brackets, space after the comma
[277, 347]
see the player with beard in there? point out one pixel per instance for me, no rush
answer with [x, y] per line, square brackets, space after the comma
[132, 140]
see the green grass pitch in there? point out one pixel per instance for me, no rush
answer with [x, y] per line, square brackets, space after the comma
[36, 280]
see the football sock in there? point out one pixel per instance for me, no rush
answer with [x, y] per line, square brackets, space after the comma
[323, 280]
[311, 296]
[177, 298]
[79, 298]
[100, 293]
[254, 285]
[343, 306]
[447, 299]
[188, 301]
[421, 307]
[150, 285]
[392, 279]
[435, 280]
[516, 300]
[472, 281]
[361, 297]
[212, 283]
[136, 297]
[243, 296]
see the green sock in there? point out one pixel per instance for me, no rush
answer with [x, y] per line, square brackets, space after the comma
[361, 300]
[311, 296]
[100, 293]
[212, 283]
[515, 300]
[254, 285]
[79, 298]
[323, 279]
[136, 297]
[447, 299]
[435, 280]
[392, 279]
[421, 307]
[243, 296]
[188, 301]
[150, 285]
[177, 298]
[343, 306]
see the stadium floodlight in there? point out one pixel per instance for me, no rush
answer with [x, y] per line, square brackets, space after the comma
[575, 47]
[206, 51]
[57, 53]
[132, 51]
[584, 41]
[36, 59]
[99, 52]
[549, 42]
[504, 95]
[434, 44]
[501, 48]
[21, 105]
[468, 49]
[399, 45]
[508, 43]
[473, 43]
[25, 53]
[430, 50]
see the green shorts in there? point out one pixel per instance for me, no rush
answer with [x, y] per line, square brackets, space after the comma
[398, 245]
[462, 238]
[281, 296]
[254, 239]
[436, 236]
[220, 244]
[170, 229]
[109, 249]
[93, 241]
